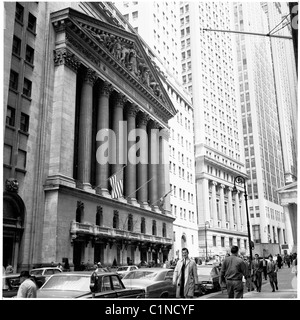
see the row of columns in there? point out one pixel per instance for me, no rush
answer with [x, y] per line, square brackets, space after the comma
[232, 198]
[151, 149]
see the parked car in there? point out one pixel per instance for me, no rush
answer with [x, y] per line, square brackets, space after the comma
[42, 274]
[11, 283]
[86, 285]
[208, 278]
[157, 282]
[124, 269]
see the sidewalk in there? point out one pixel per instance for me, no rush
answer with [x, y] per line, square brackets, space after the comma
[287, 287]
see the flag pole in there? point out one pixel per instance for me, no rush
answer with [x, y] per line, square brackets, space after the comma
[161, 197]
[112, 175]
[139, 187]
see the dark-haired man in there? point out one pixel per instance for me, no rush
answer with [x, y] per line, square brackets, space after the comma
[28, 287]
[232, 271]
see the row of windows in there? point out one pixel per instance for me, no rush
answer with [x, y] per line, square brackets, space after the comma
[16, 49]
[181, 160]
[19, 16]
[191, 214]
[181, 172]
[21, 158]
[181, 194]
[14, 83]
[11, 119]
[129, 225]
[230, 242]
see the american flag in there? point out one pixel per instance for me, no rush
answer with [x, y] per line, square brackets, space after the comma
[116, 183]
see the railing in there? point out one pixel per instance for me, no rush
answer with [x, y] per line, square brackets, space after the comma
[95, 230]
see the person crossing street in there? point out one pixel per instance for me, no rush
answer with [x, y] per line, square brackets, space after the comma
[272, 269]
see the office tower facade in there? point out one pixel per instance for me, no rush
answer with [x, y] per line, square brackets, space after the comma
[208, 73]
[268, 103]
[85, 91]
[158, 25]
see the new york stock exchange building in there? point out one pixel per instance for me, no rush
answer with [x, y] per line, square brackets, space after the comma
[89, 77]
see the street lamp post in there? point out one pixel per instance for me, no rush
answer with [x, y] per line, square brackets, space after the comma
[207, 225]
[241, 180]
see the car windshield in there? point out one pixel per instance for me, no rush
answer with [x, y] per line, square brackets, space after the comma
[36, 272]
[140, 275]
[204, 271]
[68, 283]
[122, 269]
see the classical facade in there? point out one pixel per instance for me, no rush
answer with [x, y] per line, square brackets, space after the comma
[102, 111]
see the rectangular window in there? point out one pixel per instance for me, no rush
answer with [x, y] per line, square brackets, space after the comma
[27, 88]
[24, 122]
[14, 79]
[10, 116]
[16, 46]
[19, 12]
[222, 242]
[31, 22]
[214, 241]
[29, 54]
[21, 162]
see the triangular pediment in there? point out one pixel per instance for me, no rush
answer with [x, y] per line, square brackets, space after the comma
[124, 49]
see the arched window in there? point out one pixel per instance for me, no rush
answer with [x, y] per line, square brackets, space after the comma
[79, 211]
[153, 227]
[164, 230]
[143, 225]
[99, 216]
[116, 219]
[130, 222]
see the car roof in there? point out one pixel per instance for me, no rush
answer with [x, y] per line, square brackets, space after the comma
[152, 269]
[83, 273]
[43, 268]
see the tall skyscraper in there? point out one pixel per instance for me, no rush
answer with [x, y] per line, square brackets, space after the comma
[268, 100]
[209, 73]
[158, 25]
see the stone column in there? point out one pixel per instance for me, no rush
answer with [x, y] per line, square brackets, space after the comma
[130, 170]
[163, 169]
[230, 211]
[120, 132]
[222, 207]
[102, 165]
[85, 130]
[214, 203]
[153, 137]
[61, 159]
[237, 210]
[143, 163]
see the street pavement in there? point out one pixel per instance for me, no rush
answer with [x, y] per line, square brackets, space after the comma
[287, 288]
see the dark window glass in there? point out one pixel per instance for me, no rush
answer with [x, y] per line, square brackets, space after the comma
[27, 88]
[31, 22]
[16, 46]
[10, 116]
[13, 81]
[19, 12]
[24, 122]
[29, 54]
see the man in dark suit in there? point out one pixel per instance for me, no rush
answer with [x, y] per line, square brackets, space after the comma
[257, 272]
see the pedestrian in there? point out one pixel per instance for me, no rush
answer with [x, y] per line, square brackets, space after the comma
[287, 260]
[272, 269]
[265, 263]
[185, 276]
[257, 272]
[232, 271]
[249, 277]
[27, 288]
[279, 261]
[294, 264]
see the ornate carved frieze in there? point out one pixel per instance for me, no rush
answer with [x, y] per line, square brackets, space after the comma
[64, 56]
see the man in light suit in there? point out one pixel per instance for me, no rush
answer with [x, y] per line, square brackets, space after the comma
[185, 276]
